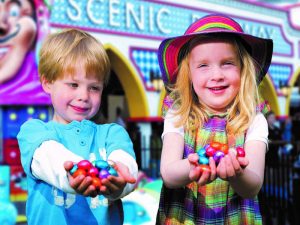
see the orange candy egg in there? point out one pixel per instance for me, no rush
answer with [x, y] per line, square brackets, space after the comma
[96, 182]
[224, 148]
[204, 168]
[215, 145]
[79, 172]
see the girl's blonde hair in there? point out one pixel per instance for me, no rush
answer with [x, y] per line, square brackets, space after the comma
[62, 51]
[193, 113]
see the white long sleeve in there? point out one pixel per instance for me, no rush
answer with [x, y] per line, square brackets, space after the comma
[125, 158]
[48, 164]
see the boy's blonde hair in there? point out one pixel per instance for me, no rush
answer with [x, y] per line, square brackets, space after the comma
[62, 51]
[242, 110]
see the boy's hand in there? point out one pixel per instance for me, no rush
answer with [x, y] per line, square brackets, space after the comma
[199, 175]
[114, 185]
[231, 167]
[81, 184]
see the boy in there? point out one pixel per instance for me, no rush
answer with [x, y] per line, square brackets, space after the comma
[74, 68]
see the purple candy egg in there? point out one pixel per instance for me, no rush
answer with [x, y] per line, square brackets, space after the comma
[103, 174]
[218, 156]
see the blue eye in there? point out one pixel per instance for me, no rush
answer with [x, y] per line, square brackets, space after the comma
[95, 88]
[202, 65]
[73, 85]
[14, 10]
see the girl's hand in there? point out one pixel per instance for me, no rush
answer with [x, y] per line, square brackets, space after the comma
[114, 185]
[199, 175]
[81, 184]
[231, 167]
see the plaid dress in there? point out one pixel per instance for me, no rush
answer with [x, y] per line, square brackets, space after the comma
[214, 203]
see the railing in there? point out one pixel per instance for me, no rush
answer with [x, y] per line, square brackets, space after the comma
[280, 194]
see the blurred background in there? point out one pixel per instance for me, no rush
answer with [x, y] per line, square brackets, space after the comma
[131, 31]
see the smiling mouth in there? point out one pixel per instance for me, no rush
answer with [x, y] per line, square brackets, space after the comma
[6, 38]
[217, 88]
[79, 109]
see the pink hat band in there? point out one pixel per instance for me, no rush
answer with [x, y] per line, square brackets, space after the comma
[260, 49]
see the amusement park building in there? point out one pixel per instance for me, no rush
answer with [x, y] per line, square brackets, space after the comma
[131, 31]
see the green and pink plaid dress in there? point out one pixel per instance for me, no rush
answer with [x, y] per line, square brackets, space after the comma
[214, 203]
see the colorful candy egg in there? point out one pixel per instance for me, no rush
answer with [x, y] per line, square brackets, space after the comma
[93, 172]
[103, 173]
[203, 160]
[84, 164]
[79, 172]
[240, 152]
[218, 156]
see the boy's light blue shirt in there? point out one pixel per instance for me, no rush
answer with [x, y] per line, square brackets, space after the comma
[49, 205]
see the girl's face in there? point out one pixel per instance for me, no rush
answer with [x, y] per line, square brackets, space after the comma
[215, 73]
[74, 97]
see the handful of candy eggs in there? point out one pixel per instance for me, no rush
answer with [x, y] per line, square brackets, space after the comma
[217, 151]
[97, 170]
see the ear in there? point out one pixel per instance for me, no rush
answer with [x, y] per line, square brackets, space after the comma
[46, 84]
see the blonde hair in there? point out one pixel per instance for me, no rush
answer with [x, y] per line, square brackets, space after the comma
[63, 50]
[242, 110]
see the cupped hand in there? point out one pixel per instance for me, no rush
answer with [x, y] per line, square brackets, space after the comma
[199, 173]
[231, 167]
[114, 185]
[81, 184]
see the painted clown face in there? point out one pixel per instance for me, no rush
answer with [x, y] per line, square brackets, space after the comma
[18, 30]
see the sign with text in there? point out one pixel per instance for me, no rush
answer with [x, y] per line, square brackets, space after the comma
[149, 19]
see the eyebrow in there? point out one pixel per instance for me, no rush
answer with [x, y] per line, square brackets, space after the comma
[18, 2]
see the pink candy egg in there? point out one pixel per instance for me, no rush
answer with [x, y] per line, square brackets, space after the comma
[85, 165]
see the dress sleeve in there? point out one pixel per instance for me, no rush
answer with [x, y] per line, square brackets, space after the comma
[32, 134]
[169, 127]
[258, 130]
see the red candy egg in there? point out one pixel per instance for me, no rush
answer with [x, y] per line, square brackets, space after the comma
[85, 165]
[210, 151]
[240, 152]
[93, 172]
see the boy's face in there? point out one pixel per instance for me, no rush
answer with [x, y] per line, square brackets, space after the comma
[74, 97]
[215, 73]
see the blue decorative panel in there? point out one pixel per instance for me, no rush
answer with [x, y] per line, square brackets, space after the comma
[146, 63]
[280, 74]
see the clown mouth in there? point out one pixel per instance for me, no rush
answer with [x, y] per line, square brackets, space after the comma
[6, 38]
[3, 51]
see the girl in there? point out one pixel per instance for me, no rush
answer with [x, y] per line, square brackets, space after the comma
[212, 73]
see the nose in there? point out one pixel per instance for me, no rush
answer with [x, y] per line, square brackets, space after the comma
[3, 22]
[83, 95]
[217, 74]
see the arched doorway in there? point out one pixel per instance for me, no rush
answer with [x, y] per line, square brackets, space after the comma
[268, 93]
[132, 86]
